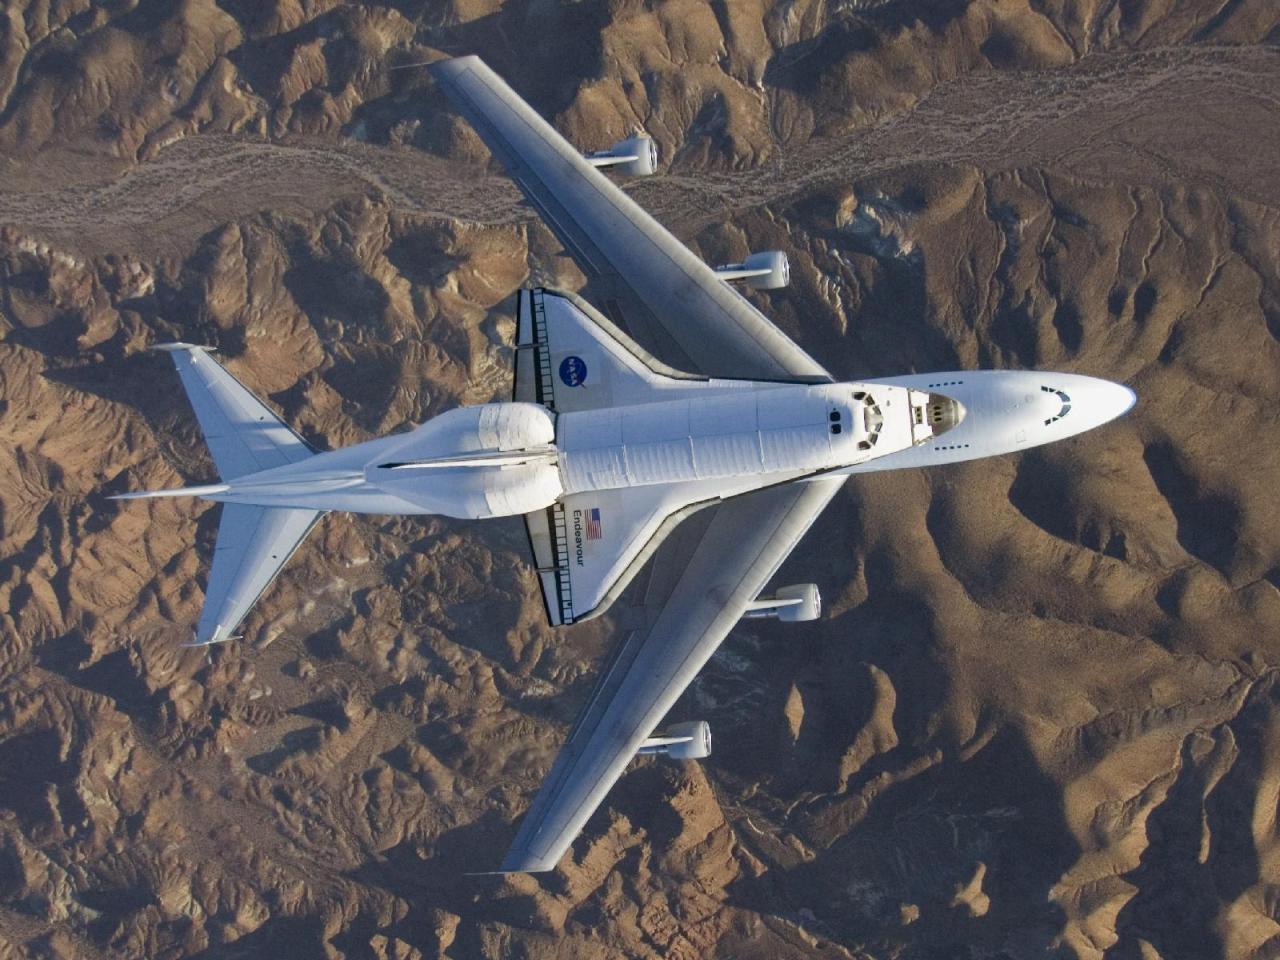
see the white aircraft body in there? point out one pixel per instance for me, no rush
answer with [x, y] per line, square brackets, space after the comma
[604, 450]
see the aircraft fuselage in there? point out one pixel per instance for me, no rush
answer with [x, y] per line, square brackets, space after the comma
[508, 459]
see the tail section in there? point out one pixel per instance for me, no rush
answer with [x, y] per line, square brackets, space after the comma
[243, 434]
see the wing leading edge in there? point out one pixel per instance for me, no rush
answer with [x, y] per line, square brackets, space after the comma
[667, 297]
[690, 609]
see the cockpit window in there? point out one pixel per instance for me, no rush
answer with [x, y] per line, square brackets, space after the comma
[1066, 404]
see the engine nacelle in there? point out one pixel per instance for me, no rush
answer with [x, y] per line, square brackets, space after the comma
[683, 741]
[770, 270]
[793, 604]
[635, 156]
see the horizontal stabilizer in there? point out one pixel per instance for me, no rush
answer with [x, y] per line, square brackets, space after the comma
[253, 544]
[243, 434]
[204, 491]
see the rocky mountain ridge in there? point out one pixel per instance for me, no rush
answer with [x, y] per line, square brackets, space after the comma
[1037, 720]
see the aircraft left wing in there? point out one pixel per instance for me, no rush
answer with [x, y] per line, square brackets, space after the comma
[689, 608]
[642, 276]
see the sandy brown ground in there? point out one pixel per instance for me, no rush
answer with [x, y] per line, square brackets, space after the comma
[1040, 716]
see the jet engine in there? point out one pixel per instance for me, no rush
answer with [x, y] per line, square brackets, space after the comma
[793, 604]
[635, 156]
[683, 741]
[765, 271]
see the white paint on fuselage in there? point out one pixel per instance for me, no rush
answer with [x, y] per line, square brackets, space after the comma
[1005, 411]
[741, 438]
[774, 430]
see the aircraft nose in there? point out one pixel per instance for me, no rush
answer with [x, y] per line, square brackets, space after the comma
[1102, 400]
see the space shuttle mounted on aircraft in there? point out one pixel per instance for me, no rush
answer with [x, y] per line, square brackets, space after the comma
[606, 447]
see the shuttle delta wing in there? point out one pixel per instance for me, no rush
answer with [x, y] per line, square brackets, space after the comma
[569, 357]
[589, 546]
[644, 277]
[694, 598]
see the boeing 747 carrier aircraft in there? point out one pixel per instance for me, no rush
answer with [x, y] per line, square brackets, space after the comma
[606, 447]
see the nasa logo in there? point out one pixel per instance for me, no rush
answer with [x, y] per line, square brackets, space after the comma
[573, 371]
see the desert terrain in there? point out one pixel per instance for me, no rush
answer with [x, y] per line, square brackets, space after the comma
[1040, 716]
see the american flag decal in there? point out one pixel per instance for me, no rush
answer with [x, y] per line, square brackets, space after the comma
[593, 524]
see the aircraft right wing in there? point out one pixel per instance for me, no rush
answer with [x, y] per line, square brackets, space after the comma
[642, 276]
[694, 598]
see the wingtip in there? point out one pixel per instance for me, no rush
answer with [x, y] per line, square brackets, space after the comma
[526, 864]
[178, 346]
[453, 65]
[219, 634]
